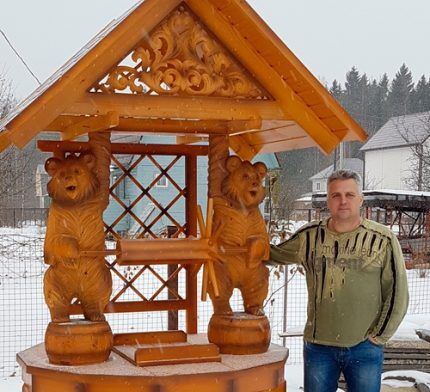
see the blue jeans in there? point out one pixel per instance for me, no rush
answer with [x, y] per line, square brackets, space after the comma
[361, 366]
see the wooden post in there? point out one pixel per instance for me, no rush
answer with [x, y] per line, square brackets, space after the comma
[101, 148]
[218, 153]
[191, 230]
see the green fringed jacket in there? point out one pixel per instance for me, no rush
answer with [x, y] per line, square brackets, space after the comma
[357, 285]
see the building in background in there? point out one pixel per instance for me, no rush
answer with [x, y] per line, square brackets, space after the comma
[395, 156]
[319, 180]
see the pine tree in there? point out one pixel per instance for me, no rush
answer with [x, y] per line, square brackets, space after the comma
[352, 101]
[399, 97]
[383, 91]
[378, 93]
[375, 104]
[420, 97]
[336, 90]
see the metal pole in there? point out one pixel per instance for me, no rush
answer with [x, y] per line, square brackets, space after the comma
[284, 339]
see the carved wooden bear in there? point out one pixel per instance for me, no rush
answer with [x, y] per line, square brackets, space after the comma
[75, 224]
[239, 221]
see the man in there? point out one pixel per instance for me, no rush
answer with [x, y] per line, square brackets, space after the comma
[357, 290]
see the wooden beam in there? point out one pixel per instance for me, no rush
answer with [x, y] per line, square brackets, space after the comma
[4, 140]
[292, 105]
[136, 125]
[92, 67]
[90, 124]
[285, 144]
[242, 148]
[190, 139]
[124, 148]
[191, 108]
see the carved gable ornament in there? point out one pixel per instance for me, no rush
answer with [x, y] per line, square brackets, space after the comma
[181, 58]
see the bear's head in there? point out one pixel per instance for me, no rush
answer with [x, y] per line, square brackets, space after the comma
[243, 185]
[72, 179]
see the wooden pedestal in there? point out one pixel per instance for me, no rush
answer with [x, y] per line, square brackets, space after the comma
[78, 342]
[163, 348]
[240, 333]
[245, 373]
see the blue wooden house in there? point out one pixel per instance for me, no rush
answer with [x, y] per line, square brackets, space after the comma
[164, 191]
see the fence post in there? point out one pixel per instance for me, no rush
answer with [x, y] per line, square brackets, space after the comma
[284, 339]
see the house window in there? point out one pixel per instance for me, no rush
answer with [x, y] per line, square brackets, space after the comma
[119, 190]
[318, 186]
[162, 181]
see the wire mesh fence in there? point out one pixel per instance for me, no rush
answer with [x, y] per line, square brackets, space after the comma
[24, 315]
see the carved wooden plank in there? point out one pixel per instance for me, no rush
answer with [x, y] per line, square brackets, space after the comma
[149, 338]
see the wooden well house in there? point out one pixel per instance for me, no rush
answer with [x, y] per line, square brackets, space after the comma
[207, 71]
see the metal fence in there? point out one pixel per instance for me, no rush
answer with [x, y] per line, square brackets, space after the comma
[18, 217]
[24, 315]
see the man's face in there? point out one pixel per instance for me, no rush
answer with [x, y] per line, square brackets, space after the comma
[344, 200]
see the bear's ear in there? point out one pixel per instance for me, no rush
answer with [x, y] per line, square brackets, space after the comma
[52, 165]
[232, 163]
[261, 169]
[89, 160]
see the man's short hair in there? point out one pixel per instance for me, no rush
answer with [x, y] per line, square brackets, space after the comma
[345, 175]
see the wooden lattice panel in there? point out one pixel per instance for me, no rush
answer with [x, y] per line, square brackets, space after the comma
[132, 292]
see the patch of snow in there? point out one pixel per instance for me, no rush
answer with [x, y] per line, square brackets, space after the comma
[10, 384]
[419, 377]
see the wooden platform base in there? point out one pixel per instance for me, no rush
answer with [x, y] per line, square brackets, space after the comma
[163, 348]
[246, 373]
[239, 333]
[78, 342]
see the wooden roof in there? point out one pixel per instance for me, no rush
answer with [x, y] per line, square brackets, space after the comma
[189, 68]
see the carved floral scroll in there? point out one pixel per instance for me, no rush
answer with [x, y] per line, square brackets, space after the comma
[181, 58]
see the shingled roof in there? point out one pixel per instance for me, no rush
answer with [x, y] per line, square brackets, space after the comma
[400, 131]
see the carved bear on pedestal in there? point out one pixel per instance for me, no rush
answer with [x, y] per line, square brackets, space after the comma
[75, 224]
[240, 225]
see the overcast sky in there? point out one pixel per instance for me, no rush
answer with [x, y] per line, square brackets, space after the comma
[328, 36]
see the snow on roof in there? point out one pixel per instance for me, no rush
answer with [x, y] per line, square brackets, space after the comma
[353, 164]
[400, 131]
[398, 192]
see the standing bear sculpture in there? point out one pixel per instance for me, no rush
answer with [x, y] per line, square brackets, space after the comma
[239, 224]
[75, 224]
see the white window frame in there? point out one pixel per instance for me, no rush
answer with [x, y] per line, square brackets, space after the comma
[158, 184]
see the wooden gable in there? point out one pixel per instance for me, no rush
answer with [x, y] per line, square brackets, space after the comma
[190, 68]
